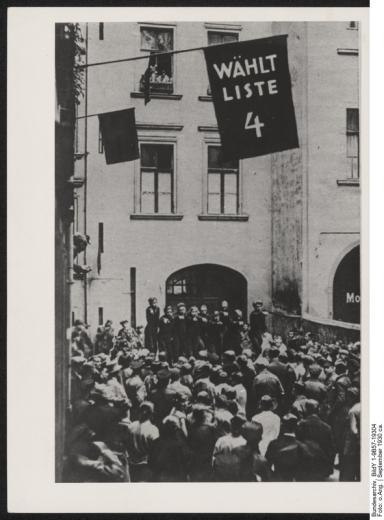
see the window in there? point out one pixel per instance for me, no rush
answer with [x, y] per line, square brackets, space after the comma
[353, 143]
[154, 40]
[217, 38]
[183, 284]
[101, 237]
[157, 178]
[101, 31]
[223, 183]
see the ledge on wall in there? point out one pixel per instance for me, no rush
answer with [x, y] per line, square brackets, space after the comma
[348, 52]
[228, 218]
[154, 126]
[172, 97]
[330, 322]
[156, 216]
[348, 182]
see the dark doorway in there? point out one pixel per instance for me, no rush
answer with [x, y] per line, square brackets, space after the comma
[209, 284]
[346, 288]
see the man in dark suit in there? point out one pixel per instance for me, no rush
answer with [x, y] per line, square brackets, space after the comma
[286, 375]
[204, 318]
[312, 428]
[215, 334]
[194, 332]
[257, 325]
[180, 337]
[225, 318]
[283, 453]
[235, 329]
[165, 335]
[153, 315]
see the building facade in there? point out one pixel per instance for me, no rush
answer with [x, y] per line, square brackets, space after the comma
[183, 224]
[64, 216]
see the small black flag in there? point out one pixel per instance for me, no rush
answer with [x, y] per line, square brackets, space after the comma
[119, 135]
[147, 79]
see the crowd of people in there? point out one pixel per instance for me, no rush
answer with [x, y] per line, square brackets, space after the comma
[198, 397]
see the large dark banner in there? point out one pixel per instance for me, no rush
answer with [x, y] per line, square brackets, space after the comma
[251, 90]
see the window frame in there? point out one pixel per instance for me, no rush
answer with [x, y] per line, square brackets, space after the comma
[164, 27]
[206, 171]
[350, 158]
[139, 205]
[218, 30]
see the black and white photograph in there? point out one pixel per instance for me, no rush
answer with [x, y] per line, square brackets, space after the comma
[207, 251]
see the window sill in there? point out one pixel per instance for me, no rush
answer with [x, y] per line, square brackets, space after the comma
[348, 182]
[205, 98]
[173, 97]
[228, 218]
[156, 216]
[348, 52]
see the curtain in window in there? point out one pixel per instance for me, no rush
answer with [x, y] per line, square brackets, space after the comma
[156, 39]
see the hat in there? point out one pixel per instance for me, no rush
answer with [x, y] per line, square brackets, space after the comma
[147, 405]
[79, 323]
[203, 354]
[213, 357]
[155, 365]
[124, 322]
[289, 419]
[257, 302]
[238, 420]
[266, 399]
[182, 359]
[252, 431]
[340, 364]
[163, 373]
[203, 397]
[186, 368]
[77, 360]
[261, 362]
[174, 371]
[230, 354]
[204, 370]
[180, 304]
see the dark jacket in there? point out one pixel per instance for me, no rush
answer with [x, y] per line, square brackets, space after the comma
[314, 429]
[285, 373]
[180, 334]
[284, 454]
[257, 323]
[165, 335]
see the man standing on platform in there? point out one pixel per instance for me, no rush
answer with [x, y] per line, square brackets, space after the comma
[180, 339]
[165, 337]
[151, 330]
[257, 325]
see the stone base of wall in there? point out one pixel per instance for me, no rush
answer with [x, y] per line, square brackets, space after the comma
[282, 323]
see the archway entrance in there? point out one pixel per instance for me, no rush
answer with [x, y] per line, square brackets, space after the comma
[209, 284]
[346, 288]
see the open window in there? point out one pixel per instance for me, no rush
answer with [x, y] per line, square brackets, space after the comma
[155, 40]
